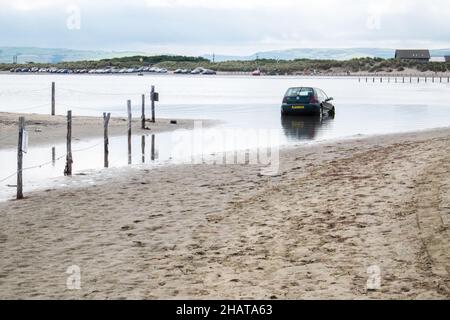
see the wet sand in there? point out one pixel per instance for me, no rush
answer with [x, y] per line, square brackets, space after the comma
[213, 231]
[45, 129]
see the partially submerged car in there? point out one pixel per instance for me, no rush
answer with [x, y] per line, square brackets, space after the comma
[307, 101]
[300, 128]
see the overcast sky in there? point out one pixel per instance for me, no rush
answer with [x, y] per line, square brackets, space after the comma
[224, 26]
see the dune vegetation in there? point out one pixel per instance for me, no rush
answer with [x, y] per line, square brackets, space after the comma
[268, 66]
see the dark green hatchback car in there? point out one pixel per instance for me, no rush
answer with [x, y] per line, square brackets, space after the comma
[307, 101]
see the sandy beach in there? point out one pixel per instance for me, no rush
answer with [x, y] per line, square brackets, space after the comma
[215, 231]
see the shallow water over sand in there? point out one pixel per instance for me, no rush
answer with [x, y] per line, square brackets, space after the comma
[247, 106]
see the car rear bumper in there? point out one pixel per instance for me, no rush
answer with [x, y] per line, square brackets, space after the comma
[301, 109]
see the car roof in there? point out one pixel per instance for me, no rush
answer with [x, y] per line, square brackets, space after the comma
[313, 88]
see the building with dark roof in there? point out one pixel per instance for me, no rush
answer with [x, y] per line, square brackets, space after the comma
[415, 55]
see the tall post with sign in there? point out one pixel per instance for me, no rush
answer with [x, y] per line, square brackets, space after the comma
[154, 96]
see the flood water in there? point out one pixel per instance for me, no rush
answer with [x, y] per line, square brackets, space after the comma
[246, 106]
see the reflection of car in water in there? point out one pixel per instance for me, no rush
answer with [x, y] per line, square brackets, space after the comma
[307, 101]
[304, 128]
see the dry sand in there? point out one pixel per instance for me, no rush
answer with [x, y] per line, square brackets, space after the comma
[45, 129]
[213, 231]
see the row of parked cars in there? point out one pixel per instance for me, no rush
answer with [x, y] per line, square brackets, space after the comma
[195, 71]
[114, 70]
[128, 70]
[91, 71]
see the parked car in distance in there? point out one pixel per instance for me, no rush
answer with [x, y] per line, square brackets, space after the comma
[197, 70]
[209, 71]
[307, 101]
[182, 71]
[256, 73]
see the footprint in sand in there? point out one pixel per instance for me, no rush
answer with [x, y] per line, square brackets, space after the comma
[126, 228]
[138, 244]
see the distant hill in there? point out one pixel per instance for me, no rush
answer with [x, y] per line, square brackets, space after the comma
[54, 55]
[321, 54]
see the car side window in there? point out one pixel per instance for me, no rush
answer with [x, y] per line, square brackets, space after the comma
[320, 95]
[325, 97]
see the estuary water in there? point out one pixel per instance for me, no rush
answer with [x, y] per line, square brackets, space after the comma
[246, 107]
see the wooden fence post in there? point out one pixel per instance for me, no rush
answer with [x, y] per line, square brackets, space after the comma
[143, 148]
[152, 97]
[53, 156]
[53, 99]
[143, 113]
[69, 160]
[129, 130]
[20, 158]
[153, 148]
[106, 118]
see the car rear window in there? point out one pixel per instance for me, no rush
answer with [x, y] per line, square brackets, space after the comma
[302, 92]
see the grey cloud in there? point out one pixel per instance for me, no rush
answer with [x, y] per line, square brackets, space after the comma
[122, 28]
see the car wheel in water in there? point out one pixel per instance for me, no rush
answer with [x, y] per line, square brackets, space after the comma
[332, 112]
[320, 114]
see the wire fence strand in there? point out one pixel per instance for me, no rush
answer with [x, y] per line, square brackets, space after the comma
[34, 107]
[56, 159]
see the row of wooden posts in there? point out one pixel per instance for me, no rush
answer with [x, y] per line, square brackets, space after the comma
[154, 97]
[106, 151]
[22, 144]
[403, 79]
